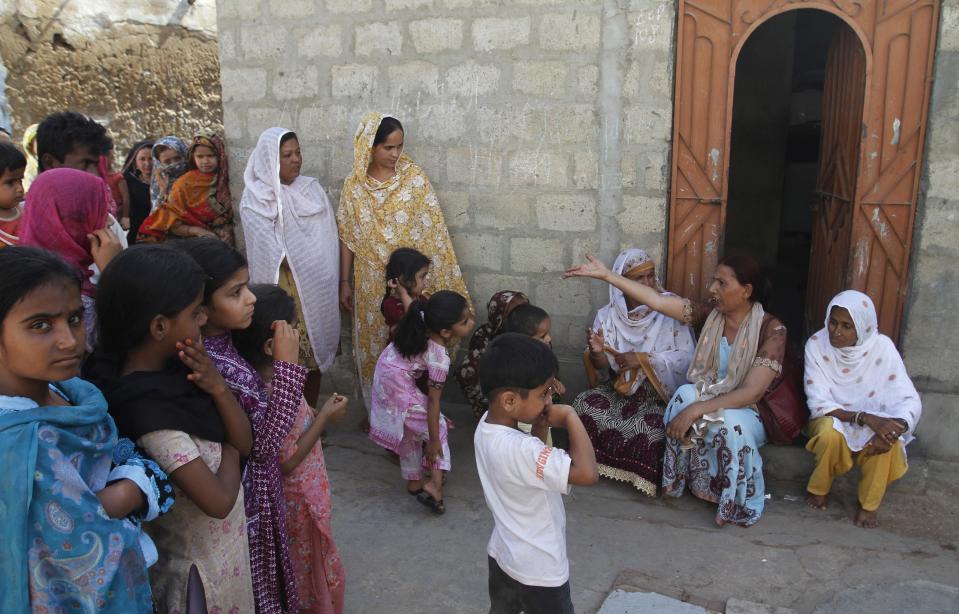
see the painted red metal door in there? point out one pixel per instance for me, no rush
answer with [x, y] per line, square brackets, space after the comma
[895, 129]
[897, 39]
[843, 94]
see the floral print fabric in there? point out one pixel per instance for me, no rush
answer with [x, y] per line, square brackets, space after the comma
[187, 536]
[375, 218]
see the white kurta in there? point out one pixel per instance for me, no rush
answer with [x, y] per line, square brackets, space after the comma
[294, 223]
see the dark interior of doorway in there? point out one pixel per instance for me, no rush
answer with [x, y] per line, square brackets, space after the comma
[776, 126]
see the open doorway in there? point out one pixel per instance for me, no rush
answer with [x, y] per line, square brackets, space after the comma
[775, 152]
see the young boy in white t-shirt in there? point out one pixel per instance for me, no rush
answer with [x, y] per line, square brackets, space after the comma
[524, 479]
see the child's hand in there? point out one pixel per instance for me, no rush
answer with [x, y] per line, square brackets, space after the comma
[204, 373]
[104, 246]
[595, 340]
[434, 450]
[556, 415]
[286, 342]
[335, 408]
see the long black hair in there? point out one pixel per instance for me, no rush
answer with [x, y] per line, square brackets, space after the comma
[217, 259]
[439, 313]
[272, 304]
[141, 283]
[402, 266]
[388, 126]
[27, 268]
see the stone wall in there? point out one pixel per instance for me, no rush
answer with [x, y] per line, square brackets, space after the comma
[543, 124]
[932, 313]
[141, 68]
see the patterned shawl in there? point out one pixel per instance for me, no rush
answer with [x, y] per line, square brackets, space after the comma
[63, 207]
[704, 370]
[374, 219]
[668, 343]
[164, 175]
[293, 222]
[498, 308]
[868, 376]
[29, 150]
[196, 199]
[59, 552]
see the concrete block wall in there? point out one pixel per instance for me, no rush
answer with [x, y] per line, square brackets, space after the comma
[929, 340]
[544, 125]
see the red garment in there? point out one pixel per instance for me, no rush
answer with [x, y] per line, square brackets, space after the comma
[10, 229]
[65, 205]
[320, 577]
[393, 312]
[113, 182]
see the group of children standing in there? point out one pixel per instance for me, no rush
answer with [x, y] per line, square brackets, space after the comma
[188, 447]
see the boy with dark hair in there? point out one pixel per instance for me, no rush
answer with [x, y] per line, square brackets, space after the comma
[531, 321]
[12, 166]
[523, 478]
[71, 140]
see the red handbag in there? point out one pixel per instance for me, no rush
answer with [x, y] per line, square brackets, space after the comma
[783, 409]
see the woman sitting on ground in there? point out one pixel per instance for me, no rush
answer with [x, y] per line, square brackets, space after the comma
[863, 405]
[713, 425]
[646, 354]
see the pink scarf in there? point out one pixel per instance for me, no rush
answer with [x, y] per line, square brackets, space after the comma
[64, 206]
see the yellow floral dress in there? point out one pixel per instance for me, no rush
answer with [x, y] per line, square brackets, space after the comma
[375, 218]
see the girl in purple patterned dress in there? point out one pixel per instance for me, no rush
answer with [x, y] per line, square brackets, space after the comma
[229, 305]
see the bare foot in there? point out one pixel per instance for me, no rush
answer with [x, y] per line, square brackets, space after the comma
[817, 502]
[866, 519]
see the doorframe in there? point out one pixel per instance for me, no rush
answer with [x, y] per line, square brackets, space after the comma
[714, 32]
[731, 87]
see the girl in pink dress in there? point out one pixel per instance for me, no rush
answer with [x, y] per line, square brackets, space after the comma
[408, 382]
[317, 569]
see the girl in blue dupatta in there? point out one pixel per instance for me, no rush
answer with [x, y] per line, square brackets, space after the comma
[66, 543]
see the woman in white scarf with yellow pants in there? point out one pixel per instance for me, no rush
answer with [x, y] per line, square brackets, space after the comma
[864, 407]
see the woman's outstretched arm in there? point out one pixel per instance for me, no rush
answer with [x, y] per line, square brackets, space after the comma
[672, 306]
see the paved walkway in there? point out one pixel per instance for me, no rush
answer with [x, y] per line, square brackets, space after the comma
[399, 558]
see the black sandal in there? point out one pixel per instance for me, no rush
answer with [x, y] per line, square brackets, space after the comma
[427, 499]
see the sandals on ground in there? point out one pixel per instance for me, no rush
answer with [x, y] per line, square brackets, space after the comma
[427, 499]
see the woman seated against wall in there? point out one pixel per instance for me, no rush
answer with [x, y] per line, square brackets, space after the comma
[713, 427]
[863, 405]
[635, 360]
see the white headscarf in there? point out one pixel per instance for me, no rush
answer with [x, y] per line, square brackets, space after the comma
[868, 376]
[293, 222]
[669, 344]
